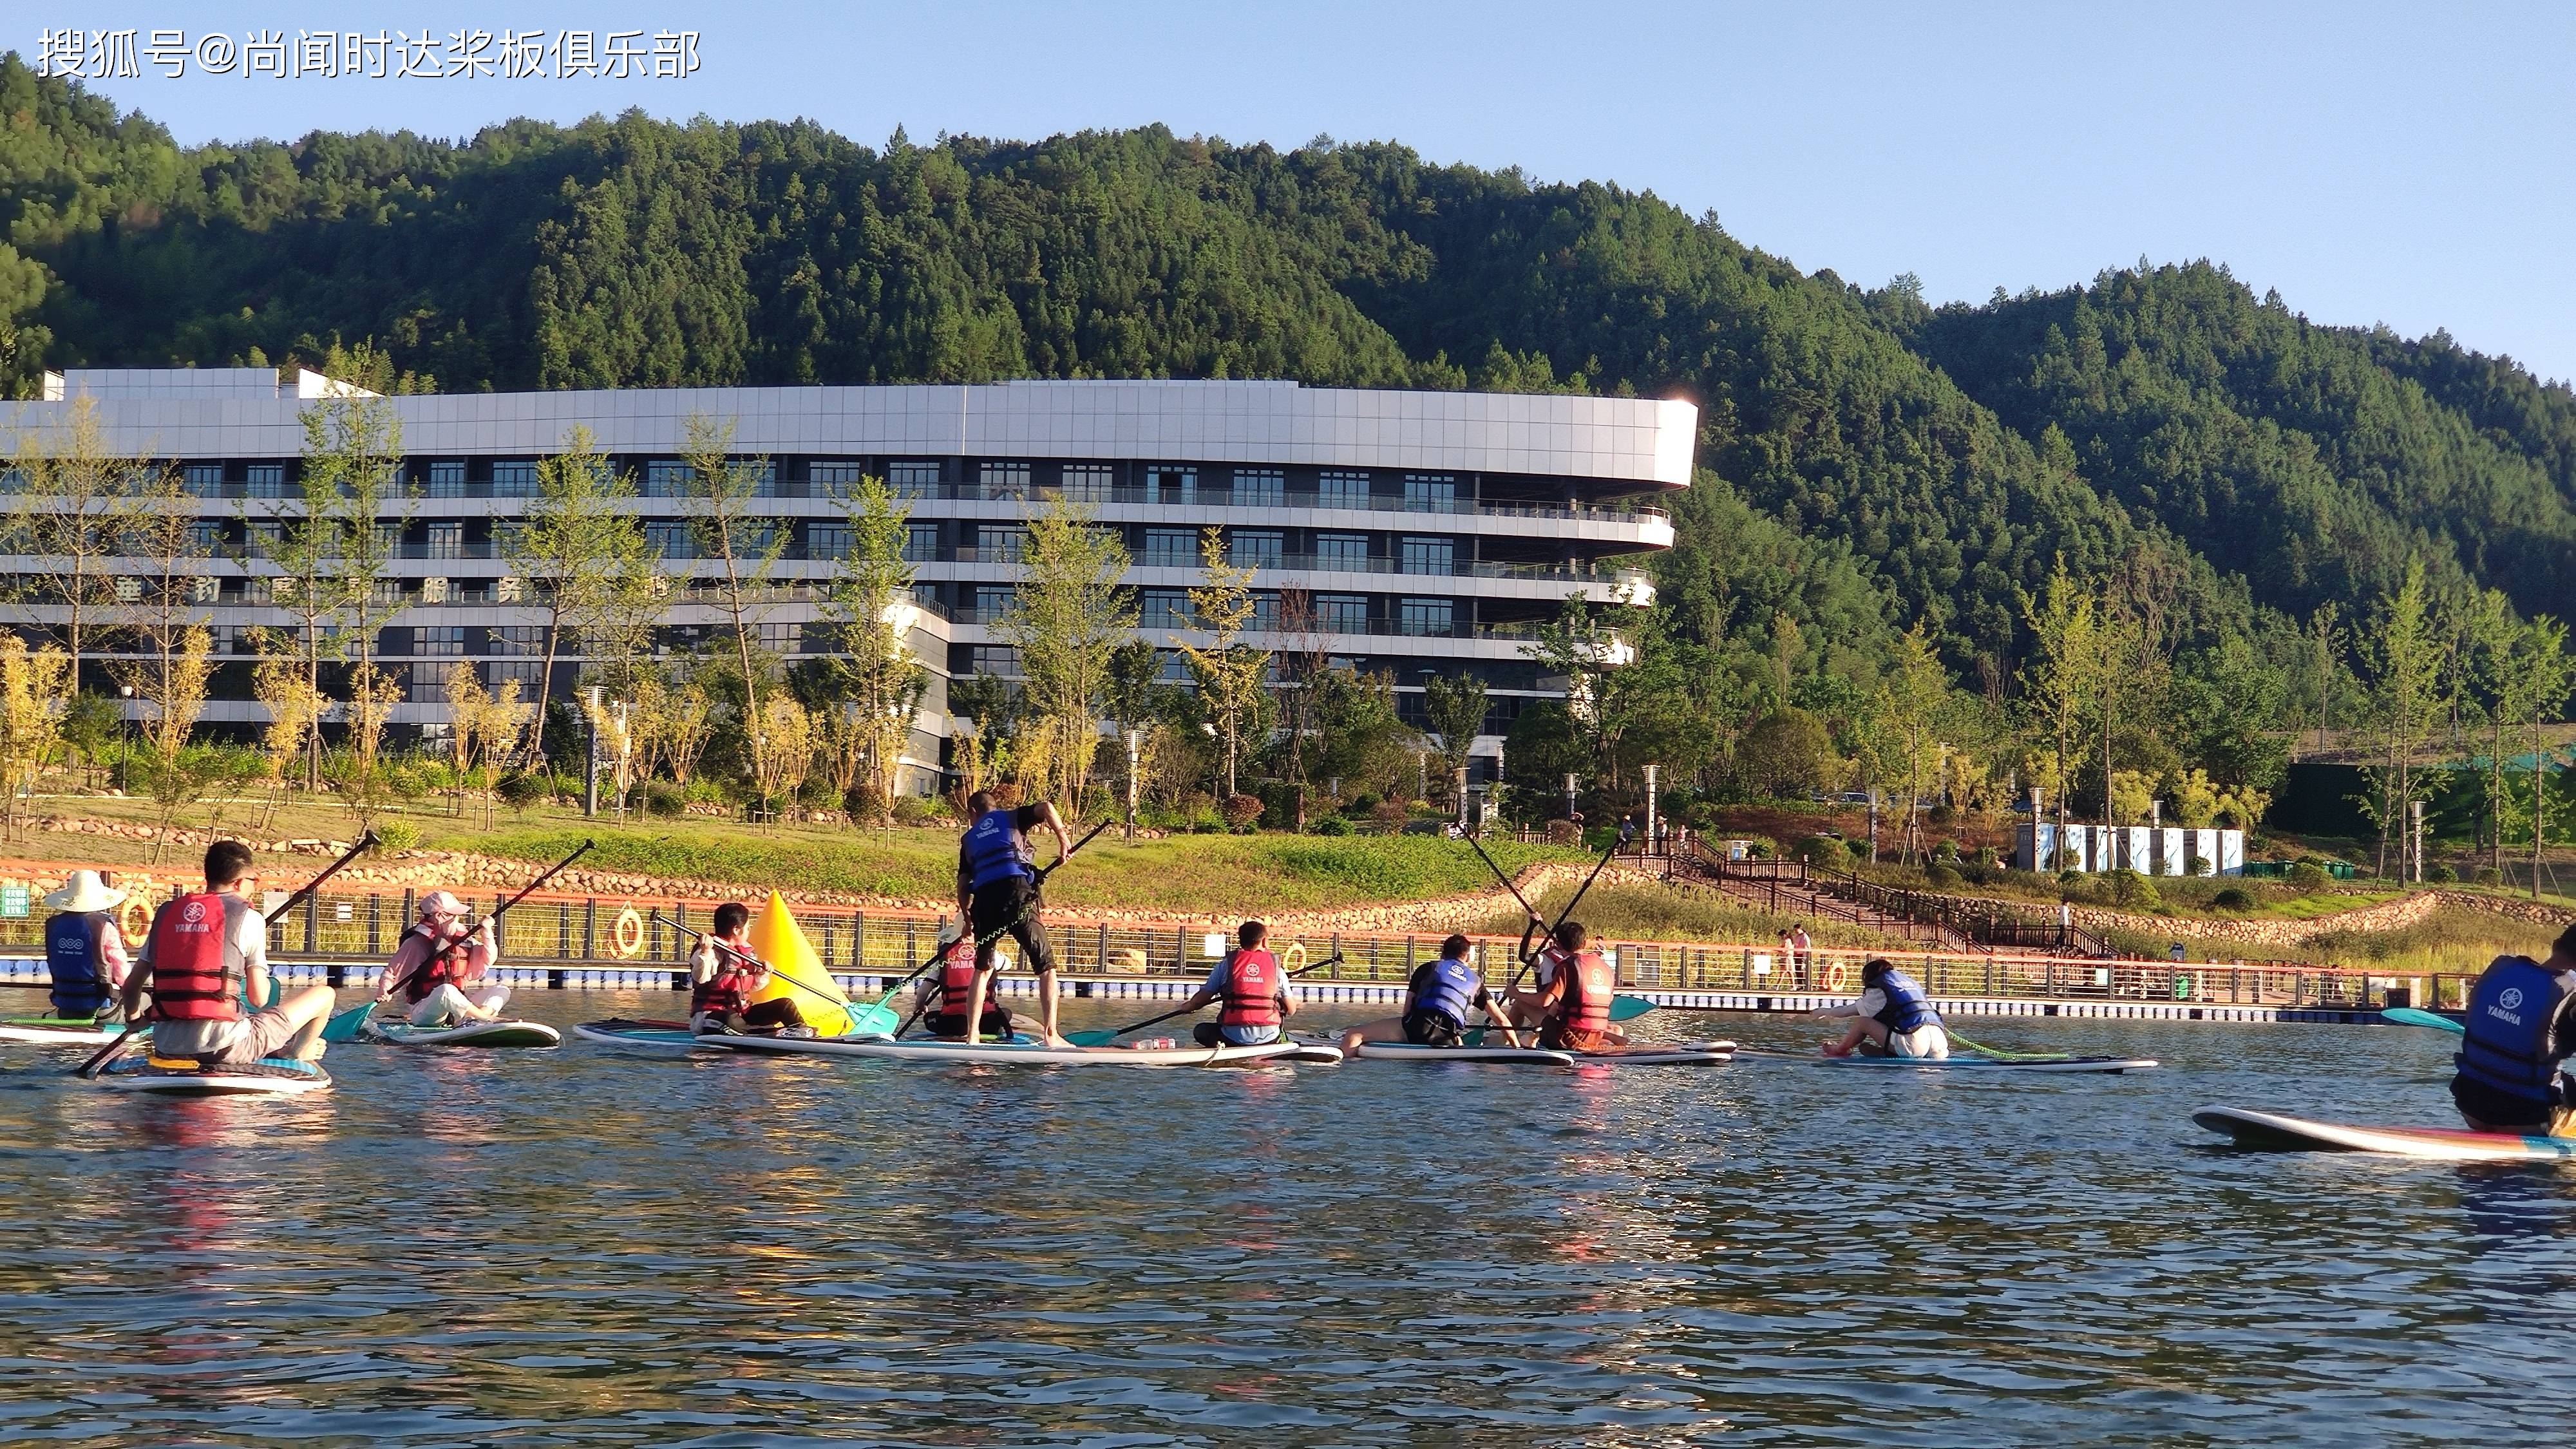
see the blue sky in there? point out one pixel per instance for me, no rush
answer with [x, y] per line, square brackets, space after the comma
[2375, 163]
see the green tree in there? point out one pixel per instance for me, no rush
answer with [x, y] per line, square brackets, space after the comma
[576, 543]
[1454, 706]
[731, 531]
[1229, 673]
[1067, 617]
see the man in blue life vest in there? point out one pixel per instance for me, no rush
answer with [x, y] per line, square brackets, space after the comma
[84, 952]
[997, 892]
[1893, 1017]
[1255, 991]
[1436, 1003]
[2521, 1025]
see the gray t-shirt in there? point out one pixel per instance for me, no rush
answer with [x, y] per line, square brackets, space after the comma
[245, 945]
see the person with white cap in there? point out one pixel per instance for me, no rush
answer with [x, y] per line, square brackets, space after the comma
[954, 983]
[84, 952]
[438, 967]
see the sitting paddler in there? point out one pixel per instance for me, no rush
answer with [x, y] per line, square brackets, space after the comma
[1575, 1005]
[1436, 1003]
[1893, 1017]
[204, 950]
[2520, 1026]
[1255, 991]
[725, 974]
[437, 971]
[942, 1001]
[84, 952]
[997, 893]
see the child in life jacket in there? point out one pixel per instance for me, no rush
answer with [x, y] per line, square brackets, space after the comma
[942, 999]
[1255, 991]
[726, 975]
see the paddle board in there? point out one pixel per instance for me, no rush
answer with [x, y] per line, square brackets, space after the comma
[671, 1038]
[1020, 1051]
[2267, 1131]
[54, 1031]
[1971, 1063]
[267, 1077]
[1705, 1054]
[471, 1033]
[1405, 1051]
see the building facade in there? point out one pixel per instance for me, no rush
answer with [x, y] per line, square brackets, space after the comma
[1426, 533]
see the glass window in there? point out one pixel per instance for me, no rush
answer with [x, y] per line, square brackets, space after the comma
[669, 538]
[517, 639]
[1430, 492]
[1342, 613]
[206, 480]
[1342, 490]
[516, 478]
[999, 660]
[208, 537]
[1171, 548]
[523, 670]
[265, 480]
[915, 479]
[1165, 484]
[827, 542]
[439, 641]
[920, 543]
[1265, 610]
[1000, 544]
[1005, 480]
[1256, 549]
[445, 478]
[260, 540]
[446, 540]
[1341, 550]
[1260, 488]
[992, 603]
[1426, 618]
[667, 478]
[428, 684]
[834, 480]
[782, 638]
[1175, 666]
[1089, 482]
[1163, 609]
[1427, 555]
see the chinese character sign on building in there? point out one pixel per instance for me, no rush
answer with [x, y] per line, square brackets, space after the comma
[467, 54]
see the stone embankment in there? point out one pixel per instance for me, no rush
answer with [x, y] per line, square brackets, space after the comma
[2390, 915]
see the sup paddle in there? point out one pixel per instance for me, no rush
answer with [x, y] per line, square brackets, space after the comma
[344, 1026]
[878, 1019]
[89, 1070]
[1104, 1038]
[838, 1004]
[2409, 1016]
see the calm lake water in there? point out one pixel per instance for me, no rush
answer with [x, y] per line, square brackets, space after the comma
[582, 1247]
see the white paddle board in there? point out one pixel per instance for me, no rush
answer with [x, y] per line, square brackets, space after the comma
[1405, 1051]
[52, 1031]
[1020, 1051]
[1976, 1064]
[669, 1038]
[268, 1077]
[463, 1034]
[2269, 1131]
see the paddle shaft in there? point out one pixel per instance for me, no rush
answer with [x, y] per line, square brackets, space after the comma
[741, 954]
[366, 841]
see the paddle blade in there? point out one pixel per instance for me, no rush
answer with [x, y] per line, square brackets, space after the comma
[344, 1025]
[1091, 1038]
[872, 1021]
[2409, 1016]
[1629, 1008]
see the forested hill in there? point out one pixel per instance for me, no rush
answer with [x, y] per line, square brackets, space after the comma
[1880, 461]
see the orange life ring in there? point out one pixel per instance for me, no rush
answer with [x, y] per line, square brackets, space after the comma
[1835, 977]
[626, 934]
[133, 919]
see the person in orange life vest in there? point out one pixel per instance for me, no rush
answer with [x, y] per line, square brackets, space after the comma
[84, 952]
[725, 975]
[1527, 1005]
[437, 969]
[1255, 991]
[997, 893]
[951, 986]
[1577, 1001]
[203, 951]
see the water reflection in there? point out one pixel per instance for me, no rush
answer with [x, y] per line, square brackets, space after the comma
[581, 1247]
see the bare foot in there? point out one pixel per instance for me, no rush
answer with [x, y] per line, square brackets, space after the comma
[1835, 1049]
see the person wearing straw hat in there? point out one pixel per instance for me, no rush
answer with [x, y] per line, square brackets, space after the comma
[942, 1001]
[437, 968]
[84, 952]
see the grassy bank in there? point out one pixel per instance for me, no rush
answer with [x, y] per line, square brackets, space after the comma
[1637, 912]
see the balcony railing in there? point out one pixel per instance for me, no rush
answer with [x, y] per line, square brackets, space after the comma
[1301, 563]
[1220, 498]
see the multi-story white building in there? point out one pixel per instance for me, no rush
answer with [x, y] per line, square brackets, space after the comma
[1431, 530]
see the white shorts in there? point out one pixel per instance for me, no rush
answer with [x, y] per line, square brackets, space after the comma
[1928, 1042]
[447, 1004]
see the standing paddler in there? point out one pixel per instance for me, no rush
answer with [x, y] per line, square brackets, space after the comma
[2520, 1026]
[203, 950]
[997, 892]
[84, 952]
[1893, 1017]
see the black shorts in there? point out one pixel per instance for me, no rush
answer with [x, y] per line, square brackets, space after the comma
[2502, 1110]
[951, 1026]
[1432, 1028]
[1010, 908]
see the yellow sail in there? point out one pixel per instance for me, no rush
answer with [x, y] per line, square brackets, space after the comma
[796, 972]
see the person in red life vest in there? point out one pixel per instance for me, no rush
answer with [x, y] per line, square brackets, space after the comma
[726, 975]
[84, 952]
[1255, 991]
[437, 969]
[997, 893]
[1576, 1002]
[203, 952]
[942, 999]
[1527, 1006]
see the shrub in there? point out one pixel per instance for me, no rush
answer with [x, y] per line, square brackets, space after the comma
[2308, 877]
[1562, 831]
[1332, 825]
[1986, 858]
[661, 797]
[398, 835]
[1242, 810]
[2133, 890]
[519, 789]
[1945, 850]
[2440, 874]
[2488, 875]
[1825, 850]
[1942, 876]
[1388, 814]
[2200, 866]
[2070, 879]
[2232, 899]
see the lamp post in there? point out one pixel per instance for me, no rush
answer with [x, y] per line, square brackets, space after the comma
[590, 775]
[1569, 796]
[124, 737]
[1650, 809]
[1135, 745]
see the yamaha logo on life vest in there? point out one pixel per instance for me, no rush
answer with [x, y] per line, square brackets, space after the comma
[2510, 998]
[192, 912]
